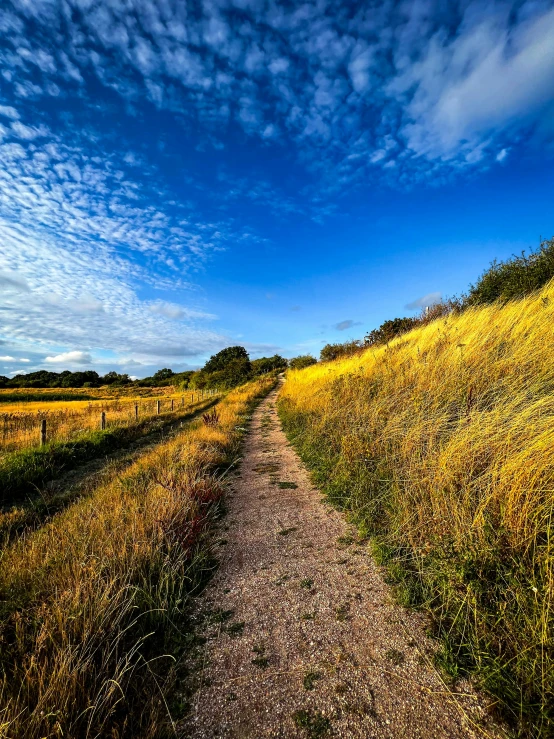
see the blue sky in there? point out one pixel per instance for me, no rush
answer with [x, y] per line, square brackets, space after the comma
[177, 177]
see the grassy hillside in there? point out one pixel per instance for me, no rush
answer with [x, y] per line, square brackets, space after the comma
[92, 604]
[441, 444]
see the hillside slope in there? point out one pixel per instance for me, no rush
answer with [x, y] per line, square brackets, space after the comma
[441, 444]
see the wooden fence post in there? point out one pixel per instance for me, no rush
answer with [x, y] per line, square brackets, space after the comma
[103, 420]
[136, 410]
[191, 398]
[182, 400]
[171, 403]
[158, 406]
[43, 432]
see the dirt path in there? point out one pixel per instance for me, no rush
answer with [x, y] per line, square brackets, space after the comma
[303, 637]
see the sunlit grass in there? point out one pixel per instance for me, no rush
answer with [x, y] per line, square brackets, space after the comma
[20, 422]
[92, 603]
[442, 446]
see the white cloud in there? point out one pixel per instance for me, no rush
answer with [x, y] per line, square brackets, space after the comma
[7, 359]
[10, 280]
[177, 312]
[8, 112]
[452, 87]
[28, 133]
[502, 154]
[278, 66]
[477, 83]
[74, 357]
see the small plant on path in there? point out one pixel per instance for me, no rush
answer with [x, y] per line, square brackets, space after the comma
[314, 722]
[310, 680]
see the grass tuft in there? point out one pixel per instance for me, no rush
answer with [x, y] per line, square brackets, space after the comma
[314, 723]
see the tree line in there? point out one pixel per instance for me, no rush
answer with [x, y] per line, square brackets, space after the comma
[230, 367]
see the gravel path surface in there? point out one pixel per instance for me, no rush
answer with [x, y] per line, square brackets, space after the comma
[303, 638]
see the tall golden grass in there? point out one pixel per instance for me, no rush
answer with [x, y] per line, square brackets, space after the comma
[442, 446]
[92, 603]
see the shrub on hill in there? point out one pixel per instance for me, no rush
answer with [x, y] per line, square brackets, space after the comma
[389, 330]
[514, 277]
[334, 351]
[304, 360]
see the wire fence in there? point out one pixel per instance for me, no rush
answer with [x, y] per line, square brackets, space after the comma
[60, 422]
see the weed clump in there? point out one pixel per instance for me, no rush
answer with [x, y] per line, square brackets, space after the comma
[314, 722]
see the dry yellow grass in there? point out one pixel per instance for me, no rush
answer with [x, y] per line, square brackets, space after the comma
[20, 421]
[442, 443]
[88, 602]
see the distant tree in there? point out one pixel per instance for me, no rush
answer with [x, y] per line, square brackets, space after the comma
[182, 379]
[4, 380]
[163, 375]
[221, 359]
[334, 351]
[114, 378]
[236, 372]
[109, 378]
[304, 360]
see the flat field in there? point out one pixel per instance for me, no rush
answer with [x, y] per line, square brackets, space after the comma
[79, 412]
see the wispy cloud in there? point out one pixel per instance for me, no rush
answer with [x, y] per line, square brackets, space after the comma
[339, 96]
[69, 358]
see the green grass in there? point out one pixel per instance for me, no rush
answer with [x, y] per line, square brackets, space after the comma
[43, 397]
[94, 607]
[22, 472]
[310, 679]
[314, 723]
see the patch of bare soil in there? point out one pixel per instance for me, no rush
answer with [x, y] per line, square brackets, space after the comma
[303, 637]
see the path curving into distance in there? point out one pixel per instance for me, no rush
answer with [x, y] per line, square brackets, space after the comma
[303, 637]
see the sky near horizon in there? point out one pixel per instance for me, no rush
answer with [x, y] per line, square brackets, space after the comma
[177, 177]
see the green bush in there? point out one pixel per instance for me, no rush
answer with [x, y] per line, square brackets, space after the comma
[389, 330]
[334, 351]
[304, 360]
[268, 364]
[514, 277]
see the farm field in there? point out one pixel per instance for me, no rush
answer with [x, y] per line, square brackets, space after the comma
[20, 421]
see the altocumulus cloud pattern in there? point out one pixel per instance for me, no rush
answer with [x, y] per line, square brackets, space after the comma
[403, 93]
